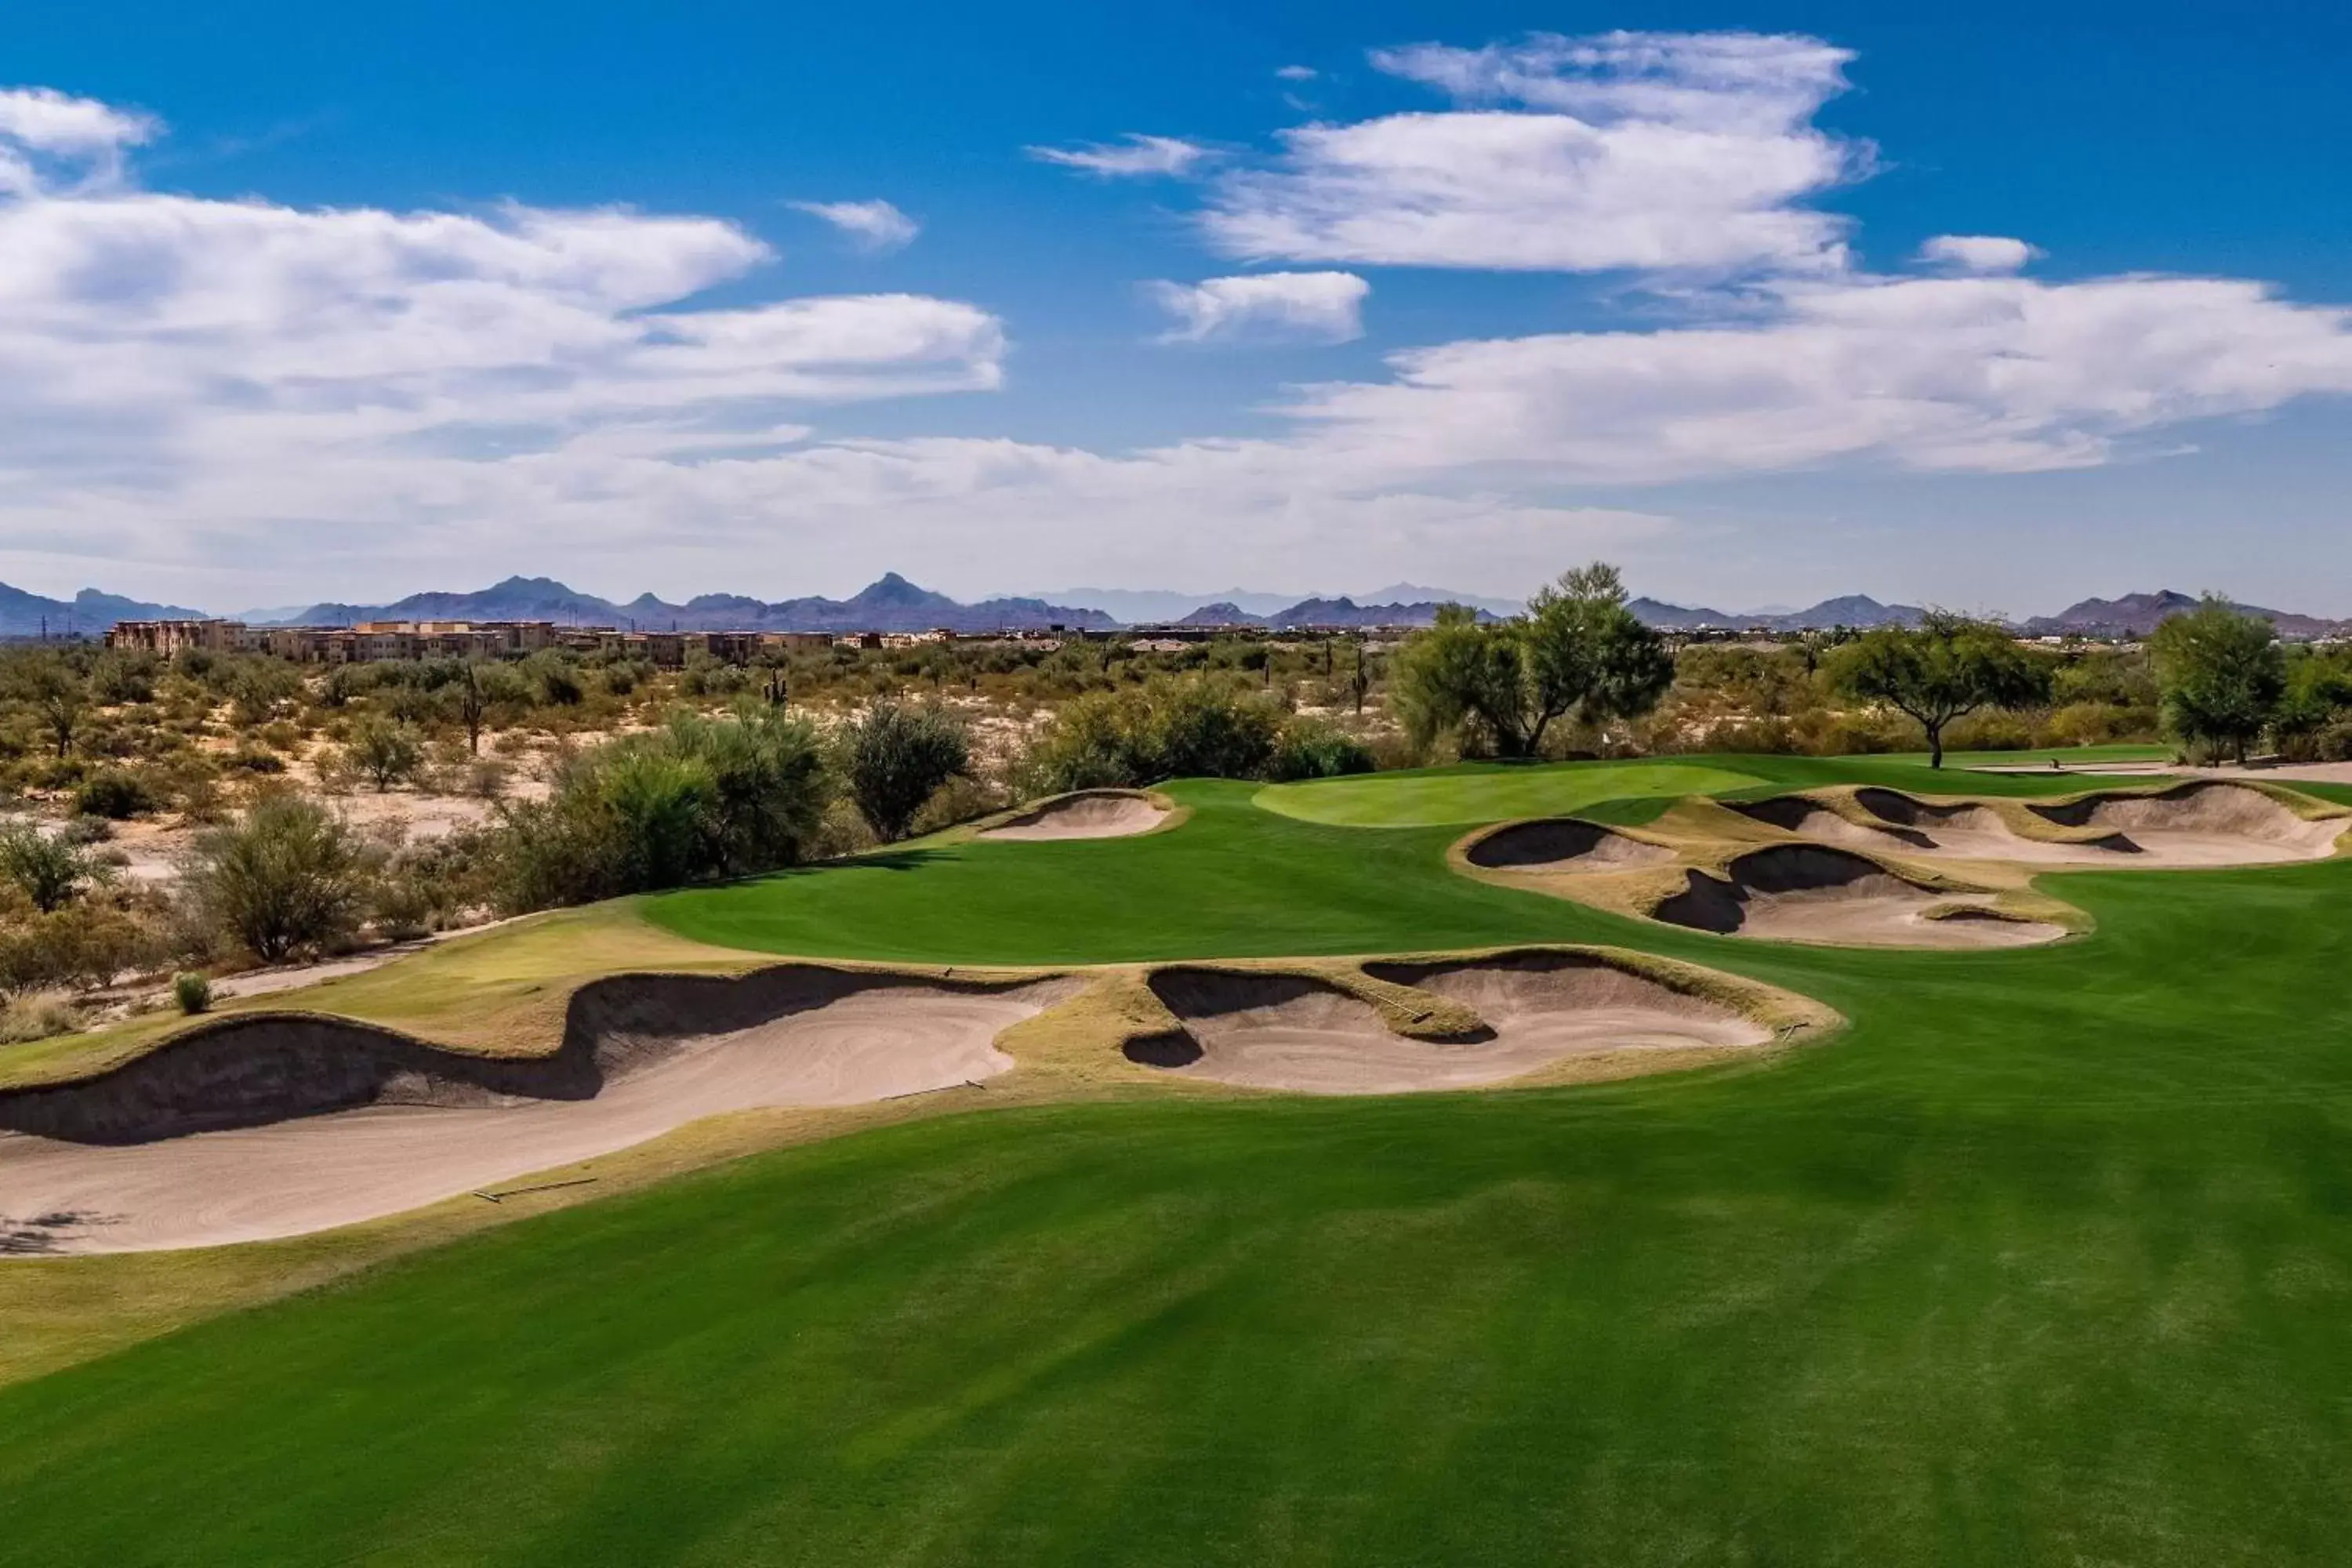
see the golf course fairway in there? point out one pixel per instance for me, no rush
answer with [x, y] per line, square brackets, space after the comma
[2047, 1258]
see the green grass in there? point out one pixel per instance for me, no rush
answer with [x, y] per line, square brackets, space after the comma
[2047, 1260]
[1489, 792]
[1235, 880]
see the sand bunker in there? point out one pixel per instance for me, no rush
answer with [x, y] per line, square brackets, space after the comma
[1090, 814]
[1807, 893]
[1812, 819]
[2203, 824]
[2199, 825]
[1279, 1031]
[1564, 844]
[116, 1164]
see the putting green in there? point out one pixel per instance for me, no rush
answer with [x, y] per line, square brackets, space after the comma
[1490, 791]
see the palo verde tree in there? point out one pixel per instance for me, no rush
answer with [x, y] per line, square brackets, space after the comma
[2220, 673]
[1945, 667]
[1577, 650]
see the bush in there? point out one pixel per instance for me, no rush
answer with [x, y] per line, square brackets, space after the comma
[385, 751]
[87, 830]
[485, 778]
[553, 680]
[112, 793]
[49, 871]
[432, 886]
[84, 943]
[960, 799]
[37, 1016]
[1169, 726]
[193, 991]
[1311, 750]
[120, 679]
[287, 877]
[698, 798]
[898, 758]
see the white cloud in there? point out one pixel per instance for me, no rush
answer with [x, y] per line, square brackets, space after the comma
[147, 339]
[1139, 155]
[1627, 151]
[39, 125]
[1979, 253]
[872, 225]
[1751, 82]
[1296, 73]
[1985, 374]
[1323, 307]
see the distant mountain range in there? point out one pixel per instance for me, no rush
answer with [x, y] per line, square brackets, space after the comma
[1339, 612]
[1849, 610]
[1239, 606]
[893, 603]
[2133, 616]
[2136, 614]
[87, 613]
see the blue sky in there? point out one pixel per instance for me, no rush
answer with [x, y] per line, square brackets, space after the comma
[312, 301]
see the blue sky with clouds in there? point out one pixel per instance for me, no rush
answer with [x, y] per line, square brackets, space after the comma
[1993, 308]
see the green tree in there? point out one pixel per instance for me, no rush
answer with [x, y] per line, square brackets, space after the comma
[385, 751]
[1577, 650]
[43, 867]
[288, 876]
[1586, 652]
[2318, 687]
[898, 756]
[1945, 667]
[259, 688]
[56, 694]
[769, 785]
[1464, 678]
[2220, 673]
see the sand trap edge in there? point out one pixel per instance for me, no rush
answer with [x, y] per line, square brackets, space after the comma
[1172, 814]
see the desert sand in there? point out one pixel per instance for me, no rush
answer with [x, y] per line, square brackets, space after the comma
[1286, 1032]
[312, 1173]
[1091, 813]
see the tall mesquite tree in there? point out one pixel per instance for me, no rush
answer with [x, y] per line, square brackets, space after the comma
[1945, 667]
[2220, 673]
[1577, 650]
